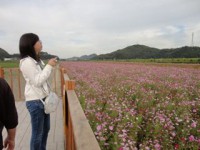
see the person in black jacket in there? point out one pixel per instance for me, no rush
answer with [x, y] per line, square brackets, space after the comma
[8, 116]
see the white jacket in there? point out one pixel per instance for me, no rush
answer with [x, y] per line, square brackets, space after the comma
[36, 78]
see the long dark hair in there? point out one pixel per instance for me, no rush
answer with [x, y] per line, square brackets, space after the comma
[26, 46]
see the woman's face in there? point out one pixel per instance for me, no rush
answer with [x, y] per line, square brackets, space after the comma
[38, 47]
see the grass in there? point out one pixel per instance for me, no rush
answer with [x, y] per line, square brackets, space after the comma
[169, 60]
[14, 64]
[9, 64]
[162, 60]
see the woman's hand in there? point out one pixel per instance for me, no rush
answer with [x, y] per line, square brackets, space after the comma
[53, 62]
[9, 144]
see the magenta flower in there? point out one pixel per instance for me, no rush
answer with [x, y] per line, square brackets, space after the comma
[121, 148]
[111, 128]
[173, 134]
[99, 127]
[157, 146]
[198, 141]
[126, 94]
[191, 138]
[194, 124]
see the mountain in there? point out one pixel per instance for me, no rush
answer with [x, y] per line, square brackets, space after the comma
[183, 52]
[87, 57]
[143, 52]
[84, 57]
[45, 55]
[4, 54]
[130, 52]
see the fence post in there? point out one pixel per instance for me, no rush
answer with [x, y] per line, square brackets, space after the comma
[1, 72]
[62, 71]
[54, 77]
[19, 83]
[70, 84]
[78, 133]
[11, 78]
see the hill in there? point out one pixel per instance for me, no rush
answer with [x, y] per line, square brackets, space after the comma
[130, 52]
[84, 57]
[183, 52]
[5, 54]
[143, 52]
[45, 55]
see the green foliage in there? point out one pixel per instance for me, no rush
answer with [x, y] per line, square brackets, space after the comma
[145, 52]
[163, 60]
[9, 64]
[4, 54]
[82, 101]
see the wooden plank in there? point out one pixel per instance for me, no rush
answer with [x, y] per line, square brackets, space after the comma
[79, 135]
[83, 134]
[56, 134]
[59, 137]
[1, 72]
[19, 106]
[23, 117]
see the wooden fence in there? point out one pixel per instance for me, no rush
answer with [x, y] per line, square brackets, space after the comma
[17, 83]
[14, 79]
[1, 73]
[77, 131]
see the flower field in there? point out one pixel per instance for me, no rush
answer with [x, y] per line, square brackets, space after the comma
[140, 106]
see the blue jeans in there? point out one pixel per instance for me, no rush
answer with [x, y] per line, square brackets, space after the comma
[40, 123]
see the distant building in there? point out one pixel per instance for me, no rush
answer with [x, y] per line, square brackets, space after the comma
[10, 59]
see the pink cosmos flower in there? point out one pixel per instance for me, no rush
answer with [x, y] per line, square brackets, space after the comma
[147, 148]
[111, 128]
[99, 127]
[121, 148]
[173, 134]
[194, 110]
[176, 146]
[194, 124]
[157, 146]
[198, 141]
[191, 138]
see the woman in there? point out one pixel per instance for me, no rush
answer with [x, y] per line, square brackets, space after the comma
[36, 75]
[8, 115]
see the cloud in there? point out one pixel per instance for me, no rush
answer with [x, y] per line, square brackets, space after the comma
[76, 27]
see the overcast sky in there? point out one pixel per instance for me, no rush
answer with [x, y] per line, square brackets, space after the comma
[70, 28]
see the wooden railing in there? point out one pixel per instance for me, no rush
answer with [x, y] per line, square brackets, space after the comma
[16, 81]
[1, 73]
[78, 133]
[13, 77]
